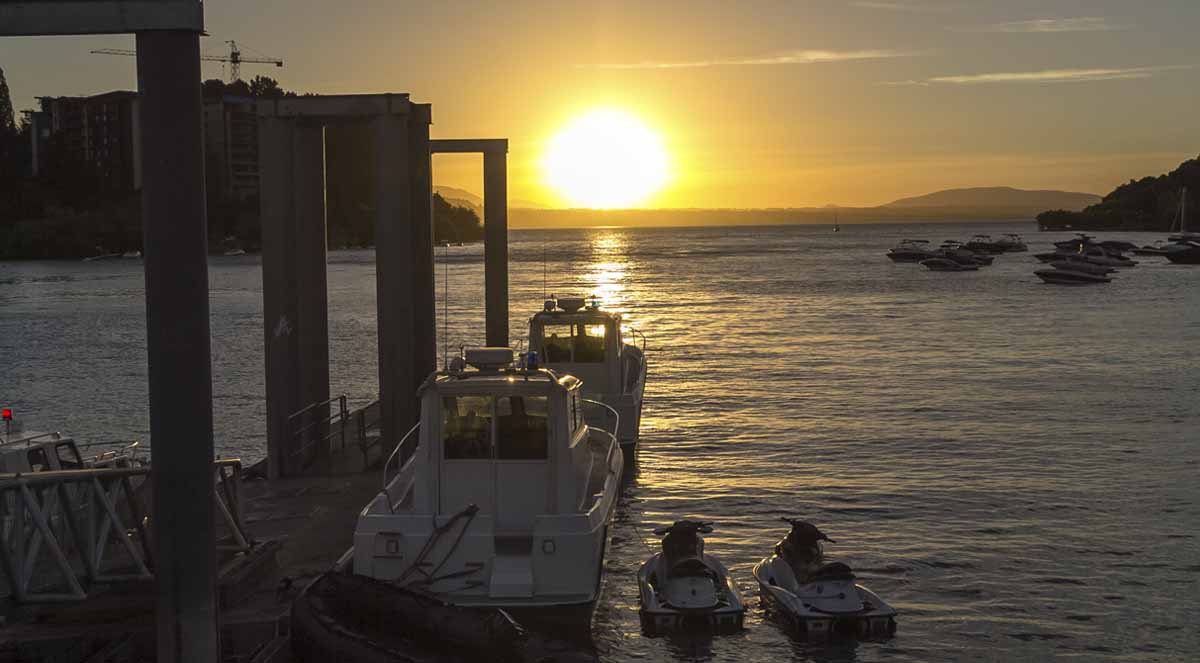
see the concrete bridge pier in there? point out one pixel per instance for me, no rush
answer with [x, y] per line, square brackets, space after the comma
[295, 295]
[295, 299]
[495, 227]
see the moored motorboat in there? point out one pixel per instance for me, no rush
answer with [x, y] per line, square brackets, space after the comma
[1093, 253]
[820, 600]
[1070, 276]
[682, 588]
[1158, 248]
[589, 343]
[948, 265]
[1012, 243]
[1082, 266]
[505, 502]
[957, 251]
[984, 244]
[911, 250]
[1184, 253]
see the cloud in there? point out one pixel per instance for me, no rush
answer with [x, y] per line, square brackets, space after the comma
[1051, 25]
[786, 57]
[1047, 76]
[902, 6]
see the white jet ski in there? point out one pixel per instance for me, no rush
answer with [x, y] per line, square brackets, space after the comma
[821, 600]
[682, 588]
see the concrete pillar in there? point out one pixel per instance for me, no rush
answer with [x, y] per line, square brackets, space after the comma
[295, 296]
[394, 274]
[495, 251]
[311, 292]
[281, 343]
[175, 242]
[424, 335]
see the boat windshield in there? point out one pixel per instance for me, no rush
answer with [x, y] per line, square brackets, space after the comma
[521, 429]
[573, 342]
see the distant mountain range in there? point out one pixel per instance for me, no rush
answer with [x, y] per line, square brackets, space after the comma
[950, 205]
[999, 198]
[464, 198]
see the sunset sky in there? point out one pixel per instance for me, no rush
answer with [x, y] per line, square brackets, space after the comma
[756, 104]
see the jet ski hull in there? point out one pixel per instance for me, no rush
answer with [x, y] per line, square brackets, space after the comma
[690, 603]
[823, 609]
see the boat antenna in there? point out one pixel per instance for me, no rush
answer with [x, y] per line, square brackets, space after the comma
[543, 266]
[446, 307]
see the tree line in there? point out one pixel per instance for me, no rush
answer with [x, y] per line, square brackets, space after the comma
[1149, 204]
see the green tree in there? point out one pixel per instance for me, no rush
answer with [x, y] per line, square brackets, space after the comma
[8, 125]
[266, 87]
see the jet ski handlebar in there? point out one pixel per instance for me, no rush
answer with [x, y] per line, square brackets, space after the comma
[686, 527]
[806, 528]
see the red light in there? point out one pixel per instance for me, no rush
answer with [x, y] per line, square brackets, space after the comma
[6, 413]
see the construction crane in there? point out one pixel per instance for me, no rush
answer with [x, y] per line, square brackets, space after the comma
[234, 58]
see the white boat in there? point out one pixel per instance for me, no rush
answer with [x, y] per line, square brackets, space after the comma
[1071, 264]
[234, 252]
[507, 499]
[682, 588]
[1012, 243]
[1070, 276]
[820, 600]
[34, 451]
[948, 265]
[911, 250]
[589, 343]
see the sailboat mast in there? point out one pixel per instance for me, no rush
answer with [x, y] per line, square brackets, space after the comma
[1183, 211]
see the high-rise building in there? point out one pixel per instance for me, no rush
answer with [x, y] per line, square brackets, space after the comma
[231, 148]
[98, 137]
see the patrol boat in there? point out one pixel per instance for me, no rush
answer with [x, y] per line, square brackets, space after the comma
[588, 343]
[507, 499]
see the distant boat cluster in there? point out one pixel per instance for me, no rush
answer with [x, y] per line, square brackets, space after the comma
[1077, 261]
[956, 256]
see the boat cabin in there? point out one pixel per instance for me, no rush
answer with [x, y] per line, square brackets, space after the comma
[588, 343]
[506, 463]
[38, 452]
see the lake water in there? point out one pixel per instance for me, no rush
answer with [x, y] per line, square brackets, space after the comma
[1013, 465]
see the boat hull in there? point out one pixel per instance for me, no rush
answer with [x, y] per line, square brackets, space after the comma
[1189, 256]
[725, 614]
[345, 617]
[870, 618]
[1070, 277]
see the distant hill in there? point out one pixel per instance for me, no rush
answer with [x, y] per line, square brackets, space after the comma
[1151, 203]
[464, 198]
[999, 197]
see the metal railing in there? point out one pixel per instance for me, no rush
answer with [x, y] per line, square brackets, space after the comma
[396, 454]
[637, 332]
[616, 416]
[63, 531]
[321, 429]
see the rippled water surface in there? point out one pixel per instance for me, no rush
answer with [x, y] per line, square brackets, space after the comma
[1011, 464]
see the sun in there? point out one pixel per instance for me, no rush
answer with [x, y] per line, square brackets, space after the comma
[605, 159]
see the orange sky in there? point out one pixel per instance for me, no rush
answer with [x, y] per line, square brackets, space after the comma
[760, 104]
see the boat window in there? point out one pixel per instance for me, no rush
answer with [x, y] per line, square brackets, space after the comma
[589, 343]
[521, 428]
[68, 456]
[466, 427]
[556, 342]
[38, 461]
